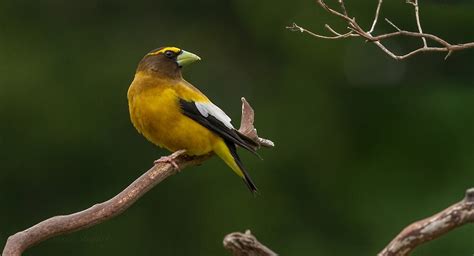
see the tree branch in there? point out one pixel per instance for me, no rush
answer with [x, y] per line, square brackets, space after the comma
[245, 244]
[433, 227]
[355, 30]
[58, 225]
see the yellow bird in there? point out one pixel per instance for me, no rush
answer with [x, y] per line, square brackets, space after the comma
[172, 113]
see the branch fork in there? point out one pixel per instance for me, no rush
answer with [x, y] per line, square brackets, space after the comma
[355, 30]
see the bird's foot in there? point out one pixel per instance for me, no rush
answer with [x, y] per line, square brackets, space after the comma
[168, 160]
[171, 159]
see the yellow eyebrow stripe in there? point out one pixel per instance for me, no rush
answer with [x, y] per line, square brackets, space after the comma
[173, 49]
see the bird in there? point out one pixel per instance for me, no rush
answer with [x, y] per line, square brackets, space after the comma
[173, 114]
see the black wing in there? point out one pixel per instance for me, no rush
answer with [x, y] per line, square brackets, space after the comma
[190, 109]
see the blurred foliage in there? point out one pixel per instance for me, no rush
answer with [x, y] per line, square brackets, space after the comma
[365, 144]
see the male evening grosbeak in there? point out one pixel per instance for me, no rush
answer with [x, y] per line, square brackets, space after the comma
[172, 113]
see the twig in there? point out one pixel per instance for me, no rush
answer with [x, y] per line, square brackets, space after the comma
[355, 30]
[295, 27]
[245, 244]
[58, 225]
[247, 127]
[417, 17]
[376, 17]
[433, 227]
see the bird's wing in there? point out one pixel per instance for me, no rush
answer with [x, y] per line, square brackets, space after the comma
[213, 118]
[208, 108]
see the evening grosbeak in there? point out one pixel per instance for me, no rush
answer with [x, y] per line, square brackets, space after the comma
[172, 113]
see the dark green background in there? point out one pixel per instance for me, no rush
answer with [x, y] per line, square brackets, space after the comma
[365, 144]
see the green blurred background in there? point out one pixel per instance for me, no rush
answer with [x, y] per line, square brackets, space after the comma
[365, 144]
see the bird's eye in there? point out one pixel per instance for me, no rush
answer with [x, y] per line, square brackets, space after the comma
[169, 54]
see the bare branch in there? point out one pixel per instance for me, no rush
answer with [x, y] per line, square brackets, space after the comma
[433, 227]
[247, 127]
[58, 225]
[393, 25]
[417, 17]
[355, 30]
[245, 244]
[295, 27]
[376, 17]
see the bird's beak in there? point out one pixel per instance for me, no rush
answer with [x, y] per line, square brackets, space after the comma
[185, 58]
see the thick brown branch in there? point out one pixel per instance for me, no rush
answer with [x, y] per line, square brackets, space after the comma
[58, 225]
[433, 227]
[355, 30]
[98, 213]
[245, 244]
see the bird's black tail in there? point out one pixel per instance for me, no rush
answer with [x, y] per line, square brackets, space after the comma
[248, 181]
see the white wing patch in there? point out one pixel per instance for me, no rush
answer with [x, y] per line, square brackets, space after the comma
[209, 108]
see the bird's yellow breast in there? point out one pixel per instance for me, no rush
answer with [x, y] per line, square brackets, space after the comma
[156, 113]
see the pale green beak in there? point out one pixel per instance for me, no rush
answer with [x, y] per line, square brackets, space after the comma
[186, 58]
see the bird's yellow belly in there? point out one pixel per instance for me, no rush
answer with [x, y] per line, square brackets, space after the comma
[157, 115]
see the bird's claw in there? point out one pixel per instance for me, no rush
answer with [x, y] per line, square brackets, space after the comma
[167, 160]
[171, 159]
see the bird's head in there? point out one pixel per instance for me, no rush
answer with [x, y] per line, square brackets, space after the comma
[166, 61]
